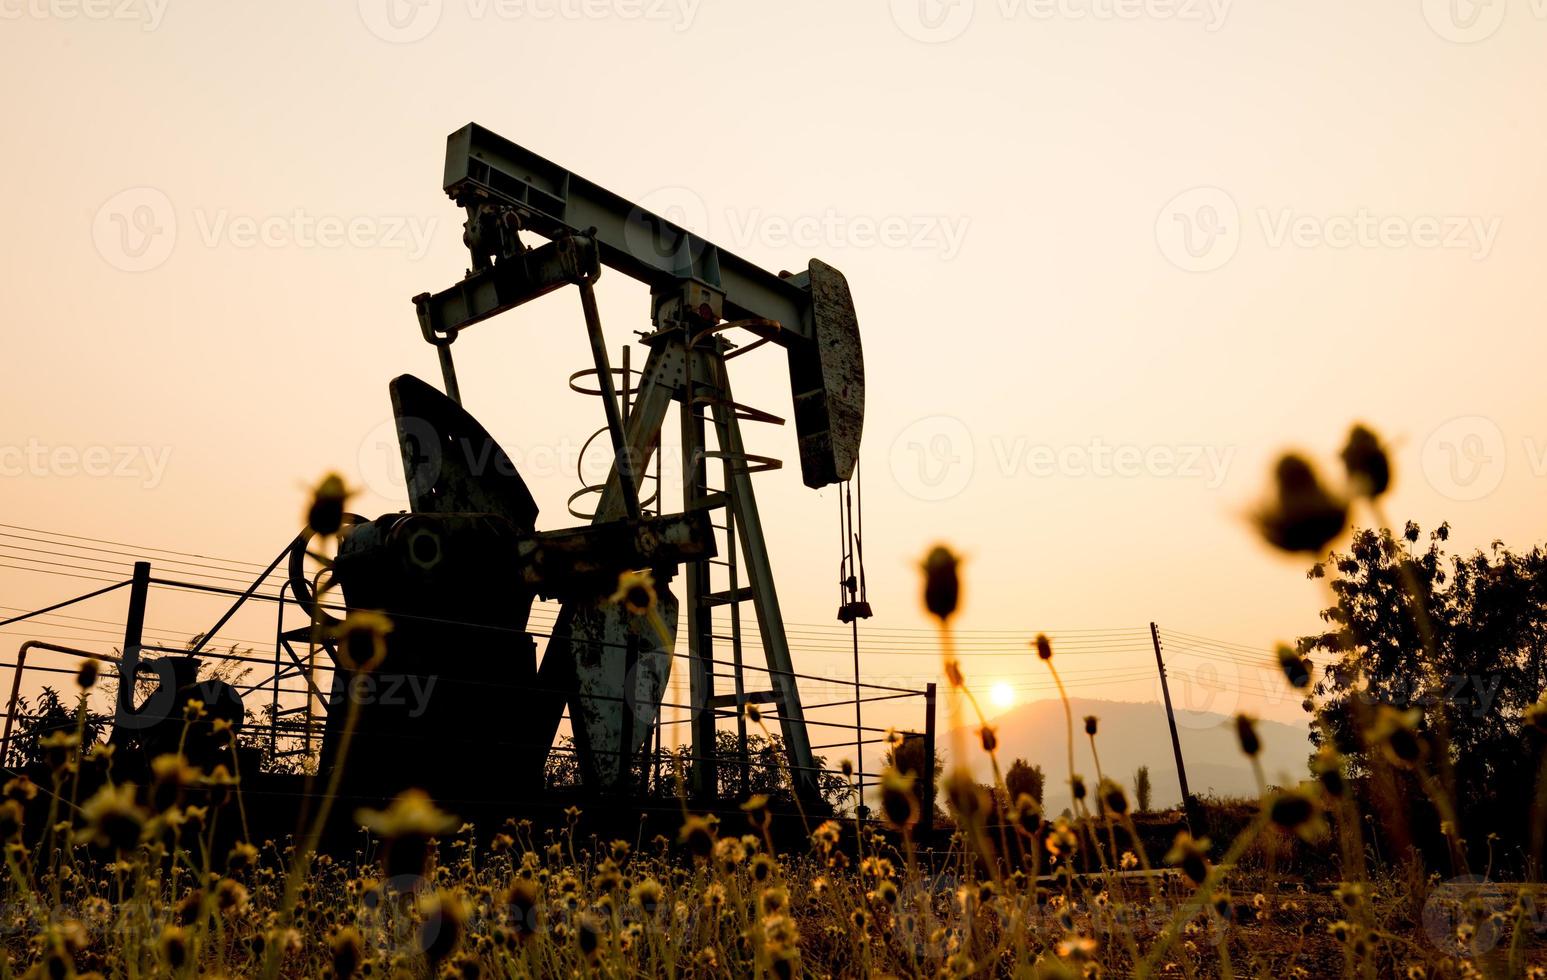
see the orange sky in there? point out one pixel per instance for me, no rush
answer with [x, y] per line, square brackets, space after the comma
[1108, 258]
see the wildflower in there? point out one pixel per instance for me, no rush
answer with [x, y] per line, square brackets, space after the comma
[898, 804]
[230, 896]
[1246, 734]
[325, 513]
[1536, 716]
[1304, 517]
[58, 746]
[1295, 811]
[756, 808]
[646, 894]
[1061, 839]
[846, 766]
[826, 834]
[173, 945]
[1129, 861]
[521, 901]
[1044, 646]
[21, 789]
[348, 950]
[112, 818]
[636, 591]
[588, 936]
[86, 676]
[1112, 797]
[1396, 732]
[942, 588]
[1026, 814]
[1328, 766]
[1090, 725]
[11, 817]
[774, 899]
[1191, 856]
[1297, 669]
[440, 931]
[762, 868]
[988, 738]
[242, 856]
[1077, 786]
[362, 640]
[407, 825]
[1365, 460]
[698, 834]
[1078, 948]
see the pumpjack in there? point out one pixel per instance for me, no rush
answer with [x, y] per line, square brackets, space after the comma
[458, 573]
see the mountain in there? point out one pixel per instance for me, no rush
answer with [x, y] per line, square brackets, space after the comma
[1130, 735]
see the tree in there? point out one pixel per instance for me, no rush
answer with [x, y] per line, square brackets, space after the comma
[1474, 671]
[50, 715]
[1143, 792]
[1022, 777]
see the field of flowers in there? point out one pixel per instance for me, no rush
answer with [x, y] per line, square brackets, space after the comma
[133, 880]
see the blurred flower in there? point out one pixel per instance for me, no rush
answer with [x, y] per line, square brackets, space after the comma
[942, 589]
[1304, 516]
[636, 591]
[325, 513]
[1369, 469]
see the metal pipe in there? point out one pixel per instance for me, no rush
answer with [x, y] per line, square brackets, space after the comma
[625, 461]
[21, 665]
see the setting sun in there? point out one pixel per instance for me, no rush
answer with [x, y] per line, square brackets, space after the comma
[1002, 694]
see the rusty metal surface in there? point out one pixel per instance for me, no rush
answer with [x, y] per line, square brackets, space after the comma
[622, 668]
[829, 383]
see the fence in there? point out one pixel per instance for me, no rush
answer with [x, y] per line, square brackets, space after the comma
[297, 682]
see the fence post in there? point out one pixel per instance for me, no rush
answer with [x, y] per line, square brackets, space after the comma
[927, 818]
[134, 627]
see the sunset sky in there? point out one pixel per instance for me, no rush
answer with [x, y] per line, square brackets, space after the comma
[1109, 258]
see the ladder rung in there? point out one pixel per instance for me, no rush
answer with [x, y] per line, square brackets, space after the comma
[290, 711]
[750, 697]
[727, 597]
[711, 501]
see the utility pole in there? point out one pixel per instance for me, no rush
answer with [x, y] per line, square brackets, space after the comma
[1176, 743]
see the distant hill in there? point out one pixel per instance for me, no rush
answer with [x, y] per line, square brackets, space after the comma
[1133, 734]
